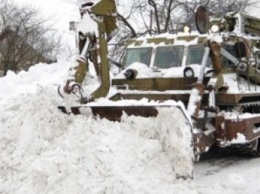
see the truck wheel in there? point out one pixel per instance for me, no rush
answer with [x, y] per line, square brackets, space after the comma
[248, 150]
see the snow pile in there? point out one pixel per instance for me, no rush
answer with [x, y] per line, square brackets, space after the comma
[27, 82]
[45, 151]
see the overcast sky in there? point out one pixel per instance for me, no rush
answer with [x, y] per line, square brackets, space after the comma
[59, 11]
[62, 12]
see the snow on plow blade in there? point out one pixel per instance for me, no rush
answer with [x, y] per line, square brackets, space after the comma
[166, 123]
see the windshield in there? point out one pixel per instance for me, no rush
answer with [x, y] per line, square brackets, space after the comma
[141, 55]
[170, 56]
[195, 55]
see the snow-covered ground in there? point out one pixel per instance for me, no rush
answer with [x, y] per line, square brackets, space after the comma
[227, 175]
[45, 151]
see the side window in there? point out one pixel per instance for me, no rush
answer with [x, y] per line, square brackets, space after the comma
[167, 57]
[141, 55]
[195, 55]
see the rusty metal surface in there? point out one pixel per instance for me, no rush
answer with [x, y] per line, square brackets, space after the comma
[228, 130]
[216, 57]
[113, 113]
[158, 97]
[220, 132]
[202, 20]
[203, 141]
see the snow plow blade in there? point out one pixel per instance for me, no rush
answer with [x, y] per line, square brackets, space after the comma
[167, 124]
[114, 113]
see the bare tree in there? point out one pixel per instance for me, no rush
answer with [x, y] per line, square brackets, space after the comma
[25, 38]
[216, 7]
[139, 17]
[160, 16]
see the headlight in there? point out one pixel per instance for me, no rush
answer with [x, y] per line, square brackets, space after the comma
[186, 29]
[188, 72]
[130, 74]
[214, 28]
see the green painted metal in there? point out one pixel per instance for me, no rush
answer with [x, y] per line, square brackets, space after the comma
[107, 10]
[156, 84]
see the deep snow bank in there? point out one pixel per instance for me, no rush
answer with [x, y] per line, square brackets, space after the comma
[45, 151]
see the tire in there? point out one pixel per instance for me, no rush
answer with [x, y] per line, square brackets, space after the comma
[248, 150]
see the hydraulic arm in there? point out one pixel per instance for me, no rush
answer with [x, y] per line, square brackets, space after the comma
[92, 45]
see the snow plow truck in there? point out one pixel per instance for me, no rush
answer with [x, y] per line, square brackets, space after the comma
[211, 76]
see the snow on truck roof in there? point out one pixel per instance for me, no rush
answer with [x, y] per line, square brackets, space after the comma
[168, 39]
